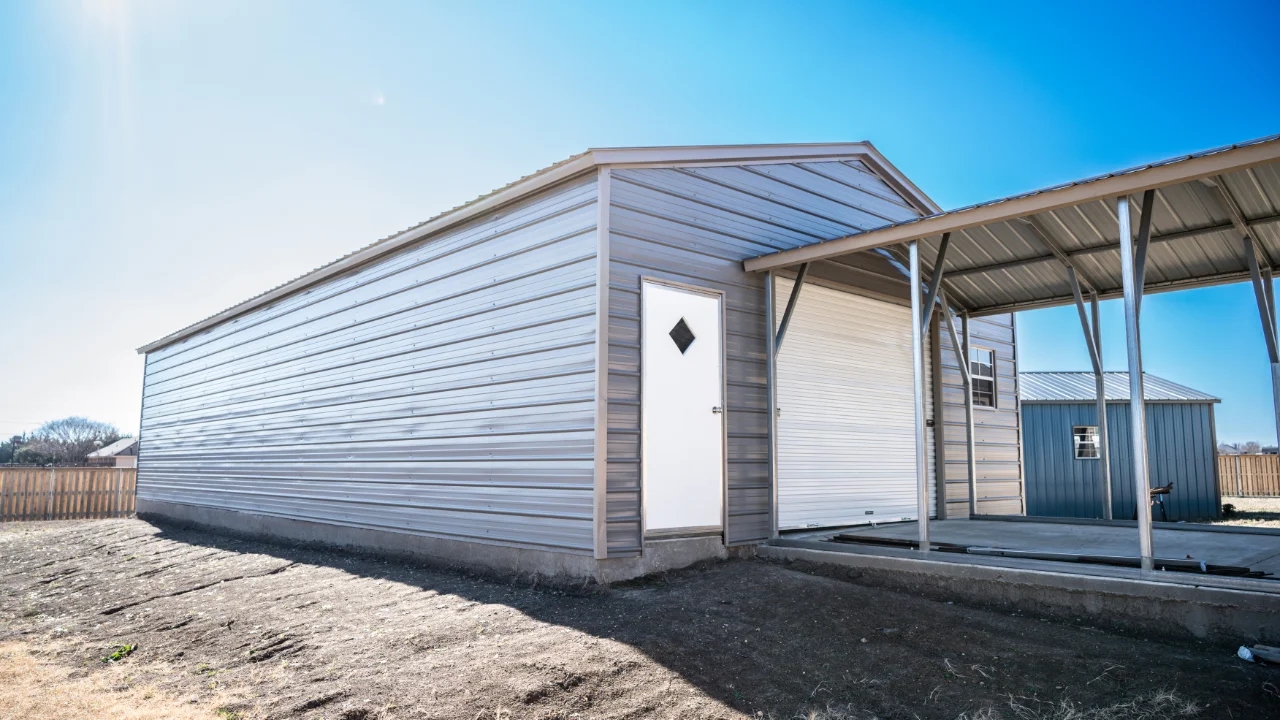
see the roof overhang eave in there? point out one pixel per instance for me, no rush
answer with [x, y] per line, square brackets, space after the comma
[1158, 175]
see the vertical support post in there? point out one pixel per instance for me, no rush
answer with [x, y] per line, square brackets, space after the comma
[966, 379]
[1137, 404]
[1093, 341]
[1269, 288]
[971, 433]
[917, 361]
[771, 370]
[1104, 442]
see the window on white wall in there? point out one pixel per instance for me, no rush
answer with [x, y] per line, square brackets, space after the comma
[1086, 442]
[982, 367]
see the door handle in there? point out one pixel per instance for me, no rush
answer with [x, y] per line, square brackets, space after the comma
[717, 410]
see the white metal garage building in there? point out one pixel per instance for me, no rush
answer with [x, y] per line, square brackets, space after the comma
[637, 358]
[445, 391]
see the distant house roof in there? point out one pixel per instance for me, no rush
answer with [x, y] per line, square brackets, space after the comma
[118, 447]
[1079, 387]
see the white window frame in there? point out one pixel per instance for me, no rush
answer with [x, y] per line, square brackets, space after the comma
[995, 384]
[1078, 441]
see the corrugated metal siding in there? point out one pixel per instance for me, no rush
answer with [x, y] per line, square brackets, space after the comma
[846, 426]
[445, 390]
[1179, 447]
[996, 430]
[1082, 387]
[697, 225]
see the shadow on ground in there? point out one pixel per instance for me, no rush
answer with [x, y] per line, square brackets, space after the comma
[315, 632]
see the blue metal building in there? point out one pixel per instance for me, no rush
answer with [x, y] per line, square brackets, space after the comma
[1059, 444]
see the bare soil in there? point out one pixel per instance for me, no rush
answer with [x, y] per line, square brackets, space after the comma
[243, 629]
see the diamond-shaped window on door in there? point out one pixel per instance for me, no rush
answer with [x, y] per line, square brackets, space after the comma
[682, 336]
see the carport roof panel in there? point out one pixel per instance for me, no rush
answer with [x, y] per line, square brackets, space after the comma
[1074, 387]
[1000, 260]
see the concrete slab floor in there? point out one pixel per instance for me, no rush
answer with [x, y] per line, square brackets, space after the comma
[1259, 552]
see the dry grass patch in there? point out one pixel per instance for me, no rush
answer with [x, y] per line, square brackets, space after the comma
[31, 687]
[1161, 705]
[1252, 512]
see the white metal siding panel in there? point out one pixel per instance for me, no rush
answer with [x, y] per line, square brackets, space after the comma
[696, 226]
[998, 457]
[446, 390]
[846, 423]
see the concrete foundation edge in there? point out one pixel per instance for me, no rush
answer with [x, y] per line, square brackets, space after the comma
[1131, 605]
[658, 556]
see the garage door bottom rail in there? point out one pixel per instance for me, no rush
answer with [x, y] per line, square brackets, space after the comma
[1167, 564]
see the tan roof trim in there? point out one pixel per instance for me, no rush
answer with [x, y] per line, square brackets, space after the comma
[649, 156]
[1108, 186]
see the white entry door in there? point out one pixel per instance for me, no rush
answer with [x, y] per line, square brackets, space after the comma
[682, 410]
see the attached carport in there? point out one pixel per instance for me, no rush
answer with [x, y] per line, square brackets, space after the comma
[1204, 219]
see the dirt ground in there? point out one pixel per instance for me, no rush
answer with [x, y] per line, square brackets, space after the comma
[227, 628]
[1252, 512]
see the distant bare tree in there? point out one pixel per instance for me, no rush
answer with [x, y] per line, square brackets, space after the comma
[67, 441]
[1250, 448]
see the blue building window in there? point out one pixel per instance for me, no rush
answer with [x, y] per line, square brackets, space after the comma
[1086, 442]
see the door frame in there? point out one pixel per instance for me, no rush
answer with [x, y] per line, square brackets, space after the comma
[723, 529]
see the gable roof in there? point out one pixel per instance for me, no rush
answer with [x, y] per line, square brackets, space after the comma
[1071, 387]
[570, 167]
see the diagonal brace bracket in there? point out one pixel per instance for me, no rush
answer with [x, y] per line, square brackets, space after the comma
[1143, 241]
[1084, 321]
[1265, 311]
[791, 307]
[935, 282]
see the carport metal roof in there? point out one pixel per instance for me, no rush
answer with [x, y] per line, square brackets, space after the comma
[1014, 253]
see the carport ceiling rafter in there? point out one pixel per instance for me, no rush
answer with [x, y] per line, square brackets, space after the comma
[1014, 253]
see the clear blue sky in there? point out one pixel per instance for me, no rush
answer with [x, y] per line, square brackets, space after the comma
[160, 161]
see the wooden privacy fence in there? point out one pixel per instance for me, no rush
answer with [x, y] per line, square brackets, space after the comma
[66, 493]
[1249, 475]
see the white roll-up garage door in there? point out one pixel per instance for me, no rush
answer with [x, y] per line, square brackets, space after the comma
[846, 423]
